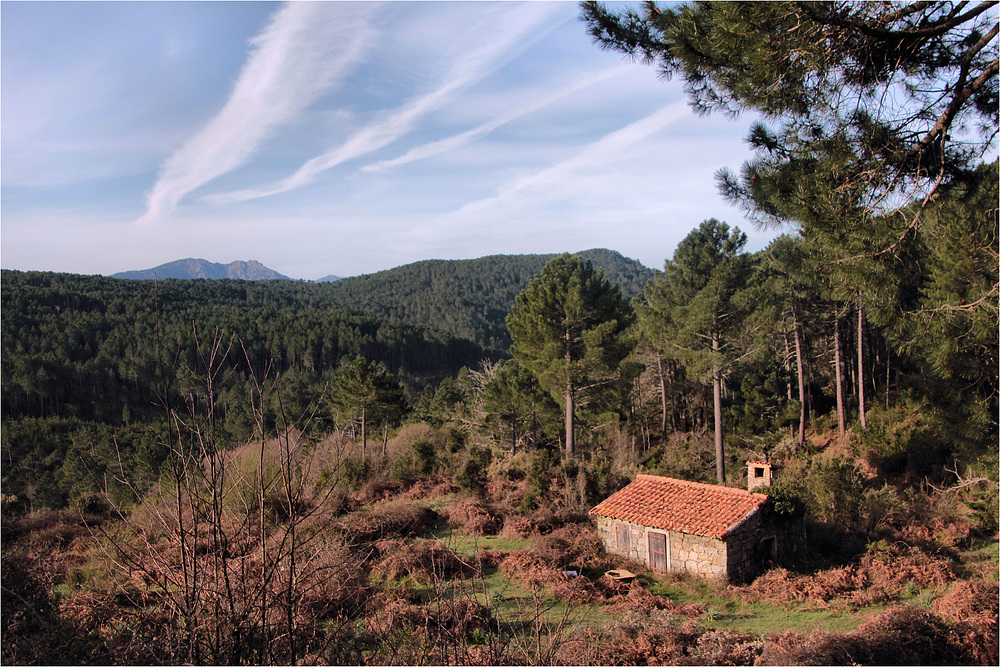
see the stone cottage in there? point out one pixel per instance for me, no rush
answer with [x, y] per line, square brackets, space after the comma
[672, 525]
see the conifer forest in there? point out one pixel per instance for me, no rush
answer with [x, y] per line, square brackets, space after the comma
[397, 468]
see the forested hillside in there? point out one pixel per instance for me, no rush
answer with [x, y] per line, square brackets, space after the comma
[88, 360]
[468, 298]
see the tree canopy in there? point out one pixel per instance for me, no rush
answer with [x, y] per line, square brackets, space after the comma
[693, 307]
[569, 328]
[876, 103]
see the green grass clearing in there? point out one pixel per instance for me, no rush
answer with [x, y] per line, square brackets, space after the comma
[470, 546]
[765, 619]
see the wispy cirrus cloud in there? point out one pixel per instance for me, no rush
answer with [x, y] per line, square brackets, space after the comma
[450, 143]
[570, 178]
[512, 34]
[305, 49]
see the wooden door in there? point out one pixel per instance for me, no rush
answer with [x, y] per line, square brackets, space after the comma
[658, 552]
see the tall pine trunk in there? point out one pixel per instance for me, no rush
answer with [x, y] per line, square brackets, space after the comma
[364, 432]
[786, 360]
[841, 429]
[802, 379]
[570, 447]
[663, 397]
[720, 459]
[861, 365]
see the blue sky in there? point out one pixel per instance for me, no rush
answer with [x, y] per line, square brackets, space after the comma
[341, 137]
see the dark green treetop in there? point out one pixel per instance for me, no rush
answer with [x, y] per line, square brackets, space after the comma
[875, 103]
[694, 306]
[571, 329]
[366, 394]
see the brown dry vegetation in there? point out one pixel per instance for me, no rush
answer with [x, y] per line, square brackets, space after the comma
[880, 577]
[372, 583]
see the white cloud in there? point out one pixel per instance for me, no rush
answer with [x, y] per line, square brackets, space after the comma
[306, 48]
[449, 143]
[513, 35]
[570, 178]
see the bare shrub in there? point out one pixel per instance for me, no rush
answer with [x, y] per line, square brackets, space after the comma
[491, 558]
[397, 519]
[431, 487]
[439, 632]
[379, 490]
[637, 639]
[336, 587]
[472, 516]
[970, 601]
[515, 525]
[552, 551]
[33, 630]
[721, 647]
[899, 636]
[545, 520]
[636, 599]
[49, 528]
[974, 609]
[584, 546]
[390, 610]
[462, 615]
[428, 558]
[576, 590]
[895, 567]
[881, 576]
[507, 494]
[632, 598]
[530, 569]
[780, 585]
[934, 519]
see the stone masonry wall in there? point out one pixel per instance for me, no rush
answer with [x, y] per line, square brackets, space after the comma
[745, 556]
[638, 548]
[702, 556]
[752, 547]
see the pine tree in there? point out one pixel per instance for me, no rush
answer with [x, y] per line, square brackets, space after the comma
[366, 394]
[865, 95]
[693, 306]
[515, 405]
[872, 110]
[571, 329]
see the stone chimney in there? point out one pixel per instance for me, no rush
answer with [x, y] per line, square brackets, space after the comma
[759, 473]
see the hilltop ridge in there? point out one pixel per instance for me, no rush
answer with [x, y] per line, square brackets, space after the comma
[190, 269]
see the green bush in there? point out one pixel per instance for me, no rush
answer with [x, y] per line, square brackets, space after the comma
[985, 507]
[425, 459]
[877, 506]
[786, 501]
[421, 460]
[833, 490]
[349, 473]
[471, 473]
[899, 440]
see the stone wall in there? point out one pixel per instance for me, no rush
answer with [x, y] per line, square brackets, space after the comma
[759, 542]
[638, 547]
[702, 556]
[750, 548]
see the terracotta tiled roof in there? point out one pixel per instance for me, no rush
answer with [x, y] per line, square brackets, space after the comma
[707, 510]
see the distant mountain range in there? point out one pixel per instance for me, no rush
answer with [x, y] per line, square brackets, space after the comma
[188, 269]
